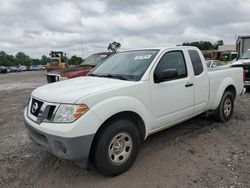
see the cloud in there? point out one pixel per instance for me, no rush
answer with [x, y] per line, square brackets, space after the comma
[37, 27]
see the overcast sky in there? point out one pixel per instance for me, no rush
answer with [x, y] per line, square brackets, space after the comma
[39, 26]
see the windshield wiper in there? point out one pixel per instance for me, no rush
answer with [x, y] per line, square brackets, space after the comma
[91, 74]
[109, 76]
[113, 76]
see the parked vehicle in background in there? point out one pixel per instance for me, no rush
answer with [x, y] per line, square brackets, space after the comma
[23, 68]
[244, 61]
[106, 115]
[58, 60]
[3, 69]
[213, 63]
[14, 69]
[37, 67]
[29, 68]
[81, 70]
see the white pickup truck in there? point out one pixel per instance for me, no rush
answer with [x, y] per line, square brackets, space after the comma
[105, 116]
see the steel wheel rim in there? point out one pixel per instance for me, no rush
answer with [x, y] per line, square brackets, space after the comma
[120, 148]
[227, 106]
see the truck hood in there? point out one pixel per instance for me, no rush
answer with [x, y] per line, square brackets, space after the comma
[72, 70]
[70, 91]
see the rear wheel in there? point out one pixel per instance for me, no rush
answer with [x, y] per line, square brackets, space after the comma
[224, 111]
[116, 148]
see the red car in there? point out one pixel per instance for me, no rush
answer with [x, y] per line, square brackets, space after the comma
[81, 70]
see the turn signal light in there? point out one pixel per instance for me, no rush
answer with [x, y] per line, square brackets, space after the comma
[80, 110]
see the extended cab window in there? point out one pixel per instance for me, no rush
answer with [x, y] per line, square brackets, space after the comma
[173, 60]
[196, 62]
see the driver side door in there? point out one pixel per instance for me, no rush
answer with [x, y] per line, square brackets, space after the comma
[173, 99]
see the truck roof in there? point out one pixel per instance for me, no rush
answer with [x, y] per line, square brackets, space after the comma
[165, 48]
[152, 48]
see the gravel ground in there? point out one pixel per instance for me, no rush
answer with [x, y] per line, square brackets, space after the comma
[197, 153]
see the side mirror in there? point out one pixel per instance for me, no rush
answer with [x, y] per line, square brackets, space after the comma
[213, 65]
[164, 75]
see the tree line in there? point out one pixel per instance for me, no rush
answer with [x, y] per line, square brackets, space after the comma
[204, 45]
[23, 59]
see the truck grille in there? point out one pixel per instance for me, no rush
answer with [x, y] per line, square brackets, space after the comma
[40, 111]
[35, 107]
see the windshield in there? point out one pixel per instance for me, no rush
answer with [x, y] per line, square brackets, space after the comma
[94, 60]
[246, 55]
[129, 65]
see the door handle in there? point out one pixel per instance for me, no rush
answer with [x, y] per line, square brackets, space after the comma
[189, 84]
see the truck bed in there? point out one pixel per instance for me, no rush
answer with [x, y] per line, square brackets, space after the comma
[219, 77]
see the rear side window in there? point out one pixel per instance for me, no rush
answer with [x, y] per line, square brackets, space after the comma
[196, 62]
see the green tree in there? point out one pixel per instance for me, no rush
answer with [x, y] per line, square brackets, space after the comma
[11, 59]
[202, 45]
[44, 60]
[36, 62]
[22, 59]
[75, 60]
[5, 59]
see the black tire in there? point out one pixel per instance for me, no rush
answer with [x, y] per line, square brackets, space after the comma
[221, 114]
[102, 148]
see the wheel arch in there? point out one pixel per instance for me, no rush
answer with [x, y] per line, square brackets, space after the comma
[232, 89]
[220, 93]
[228, 84]
[135, 117]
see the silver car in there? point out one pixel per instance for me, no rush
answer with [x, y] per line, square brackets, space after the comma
[213, 63]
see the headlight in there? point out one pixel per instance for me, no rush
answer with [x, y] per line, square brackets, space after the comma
[67, 113]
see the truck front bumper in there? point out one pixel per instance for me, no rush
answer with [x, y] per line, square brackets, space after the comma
[76, 148]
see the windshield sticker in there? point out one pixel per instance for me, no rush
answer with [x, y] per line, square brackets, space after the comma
[103, 55]
[138, 57]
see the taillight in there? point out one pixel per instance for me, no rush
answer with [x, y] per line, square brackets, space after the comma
[244, 75]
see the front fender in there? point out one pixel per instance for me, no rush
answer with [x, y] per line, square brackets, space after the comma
[109, 107]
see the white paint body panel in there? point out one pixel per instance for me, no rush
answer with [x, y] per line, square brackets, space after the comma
[159, 105]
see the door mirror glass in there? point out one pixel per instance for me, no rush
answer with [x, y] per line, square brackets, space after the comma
[165, 74]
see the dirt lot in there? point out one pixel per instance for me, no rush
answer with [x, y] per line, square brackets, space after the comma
[197, 153]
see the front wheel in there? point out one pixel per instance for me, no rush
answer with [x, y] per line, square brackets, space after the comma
[117, 146]
[224, 111]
